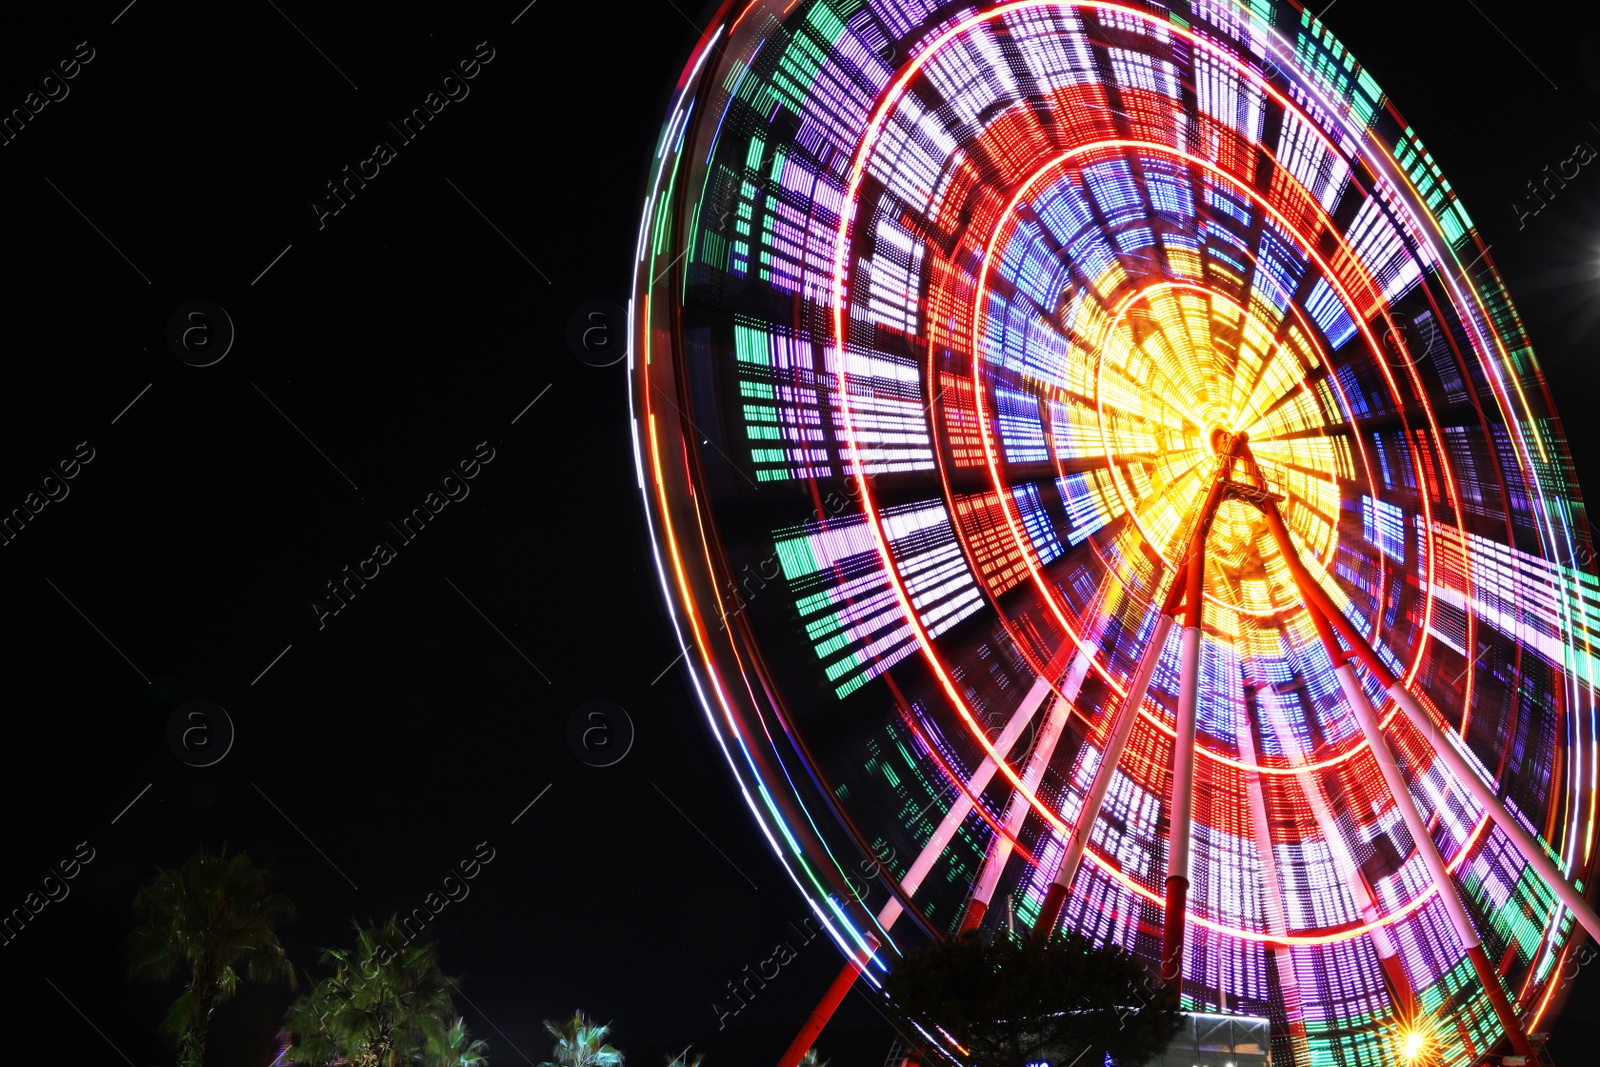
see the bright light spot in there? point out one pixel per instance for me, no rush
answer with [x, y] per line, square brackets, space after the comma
[1411, 1045]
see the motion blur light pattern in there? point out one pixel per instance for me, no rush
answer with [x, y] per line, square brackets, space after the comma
[940, 314]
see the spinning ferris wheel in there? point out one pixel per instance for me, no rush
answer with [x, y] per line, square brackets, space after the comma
[1099, 479]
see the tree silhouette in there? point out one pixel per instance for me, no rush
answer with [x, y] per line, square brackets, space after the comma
[387, 1003]
[1013, 1000]
[211, 918]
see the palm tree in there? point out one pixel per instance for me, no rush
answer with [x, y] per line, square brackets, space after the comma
[384, 1005]
[211, 918]
[457, 1048]
[581, 1043]
[681, 1060]
[309, 1028]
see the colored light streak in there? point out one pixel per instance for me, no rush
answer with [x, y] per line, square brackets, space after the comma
[984, 434]
[894, 250]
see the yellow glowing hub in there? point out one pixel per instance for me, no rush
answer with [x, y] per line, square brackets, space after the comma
[1172, 370]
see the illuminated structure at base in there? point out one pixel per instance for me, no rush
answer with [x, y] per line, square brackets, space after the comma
[1098, 478]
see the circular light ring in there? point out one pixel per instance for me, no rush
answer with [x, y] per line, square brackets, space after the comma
[1171, 545]
[932, 320]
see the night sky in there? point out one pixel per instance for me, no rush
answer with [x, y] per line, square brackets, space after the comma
[379, 745]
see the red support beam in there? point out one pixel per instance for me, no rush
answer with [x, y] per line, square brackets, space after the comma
[1127, 714]
[1326, 619]
[1181, 802]
[822, 1013]
[1330, 625]
[1181, 809]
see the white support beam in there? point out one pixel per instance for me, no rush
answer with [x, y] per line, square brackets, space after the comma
[1181, 804]
[1357, 701]
[1344, 861]
[1443, 742]
[1018, 806]
[1272, 891]
[961, 807]
[1127, 714]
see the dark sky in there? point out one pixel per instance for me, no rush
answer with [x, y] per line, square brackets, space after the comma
[375, 354]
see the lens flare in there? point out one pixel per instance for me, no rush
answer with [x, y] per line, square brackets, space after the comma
[1413, 1044]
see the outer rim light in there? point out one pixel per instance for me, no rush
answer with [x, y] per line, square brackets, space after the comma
[715, 670]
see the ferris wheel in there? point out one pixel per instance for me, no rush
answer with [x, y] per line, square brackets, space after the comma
[1099, 479]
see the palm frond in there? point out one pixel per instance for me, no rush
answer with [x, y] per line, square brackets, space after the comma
[580, 1042]
[208, 920]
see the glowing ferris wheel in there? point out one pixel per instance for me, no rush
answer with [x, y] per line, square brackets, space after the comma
[1099, 478]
